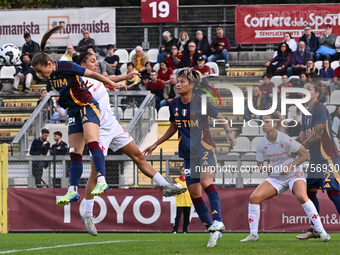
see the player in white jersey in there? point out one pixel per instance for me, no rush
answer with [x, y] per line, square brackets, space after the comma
[111, 132]
[285, 157]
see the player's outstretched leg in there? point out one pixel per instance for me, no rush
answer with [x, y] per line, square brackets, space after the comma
[90, 227]
[214, 236]
[215, 208]
[76, 169]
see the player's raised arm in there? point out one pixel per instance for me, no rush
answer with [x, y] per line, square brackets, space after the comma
[103, 79]
[169, 133]
[315, 136]
[226, 127]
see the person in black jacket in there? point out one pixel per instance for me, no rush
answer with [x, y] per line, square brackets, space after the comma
[166, 45]
[30, 47]
[190, 56]
[39, 146]
[24, 74]
[60, 147]
[310, 39]
[202, 44]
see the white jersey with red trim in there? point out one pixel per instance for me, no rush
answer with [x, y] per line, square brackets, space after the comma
[278, 153]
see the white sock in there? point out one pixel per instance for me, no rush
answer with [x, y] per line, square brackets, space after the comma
[159, 179]
[101, 179]
[313, 215]
[72, 188]
[254, 218]
[89, 207]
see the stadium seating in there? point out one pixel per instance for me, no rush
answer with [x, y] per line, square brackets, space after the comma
[242, 145]
[152, 54]
[7, 72]
[318, 65]
[123, 68]
[277, 80]
[123, 55]
[331, 108]
[163, 113]
[254, 143]
[214, 70]
[293, 77]
[129, 112]
[334, 99]
[335, 64]
[250, 131]
[156, 67]
[131, 54]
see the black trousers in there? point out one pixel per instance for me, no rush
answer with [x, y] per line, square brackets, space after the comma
[186, 218]
[37, 171]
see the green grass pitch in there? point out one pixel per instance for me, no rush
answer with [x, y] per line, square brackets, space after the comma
[156, 243]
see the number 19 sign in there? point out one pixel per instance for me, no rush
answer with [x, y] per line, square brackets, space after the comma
[159, 11]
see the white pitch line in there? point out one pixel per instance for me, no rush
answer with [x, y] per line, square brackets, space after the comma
[69, 245]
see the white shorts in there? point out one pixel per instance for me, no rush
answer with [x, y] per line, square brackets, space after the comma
[282, 184]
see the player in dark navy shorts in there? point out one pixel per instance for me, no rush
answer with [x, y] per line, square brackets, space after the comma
[323, 169]
[196, 147]
[83, 111]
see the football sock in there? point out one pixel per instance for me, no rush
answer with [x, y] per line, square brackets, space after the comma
[98, 158]
[312, 196]
[76, 168]
[89, 207]
[313, 215]
[159, 179]
[72, 188]
[214, 201]
[253, 218]
[202, 211]
[101, 178]
[334, 195]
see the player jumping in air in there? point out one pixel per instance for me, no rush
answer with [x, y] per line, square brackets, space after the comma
[83, 112]
[111, 132]
[285, 156]
[196, 147]
[324, 164]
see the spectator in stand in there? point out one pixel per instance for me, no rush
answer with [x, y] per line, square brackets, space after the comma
[59, 112]
[85, 42]
[299, 60]
[24, 74]
[266, 87]
[219, 47]
[43, 94]
[326, 75]
[336, 77]
[139, 58]
[282, 58]
[30, 47]
[285, 83]
[156, 87]
[190, 56]
[304, 78]
[174, 58]
[202, 67]
[310, 39]
[202, 44]
[60, 147]
[296, 115]
[39, 146]
[109, 65]
[311, 70]
[132, 84]
[336, 122]
[169, 91]
[164, 72]
[259, 103]
[287, 38]
[146, 71]
[327, 45]
[183, 41]
[166, 45]
[69, 53]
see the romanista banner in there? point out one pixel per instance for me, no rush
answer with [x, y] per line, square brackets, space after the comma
[256, 24]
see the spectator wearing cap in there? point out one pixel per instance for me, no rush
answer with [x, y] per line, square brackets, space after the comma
[85, 42]
[190, 56]
[202, 44]
[60, 147]
[39, 146]
[310, 39]
[165, 48]
[219, 47]
[139, 58]
[327, 44]
[109, 65]
[30, 47]
[69, 53]
[202, 67]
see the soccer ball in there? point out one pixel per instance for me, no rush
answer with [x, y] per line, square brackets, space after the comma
[9, 55]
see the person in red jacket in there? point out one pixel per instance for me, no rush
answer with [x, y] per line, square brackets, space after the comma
[156, 87]
[219, 47]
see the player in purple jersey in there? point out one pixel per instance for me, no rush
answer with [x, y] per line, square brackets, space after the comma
[323, 170]
[83, 112]
[197, 148]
